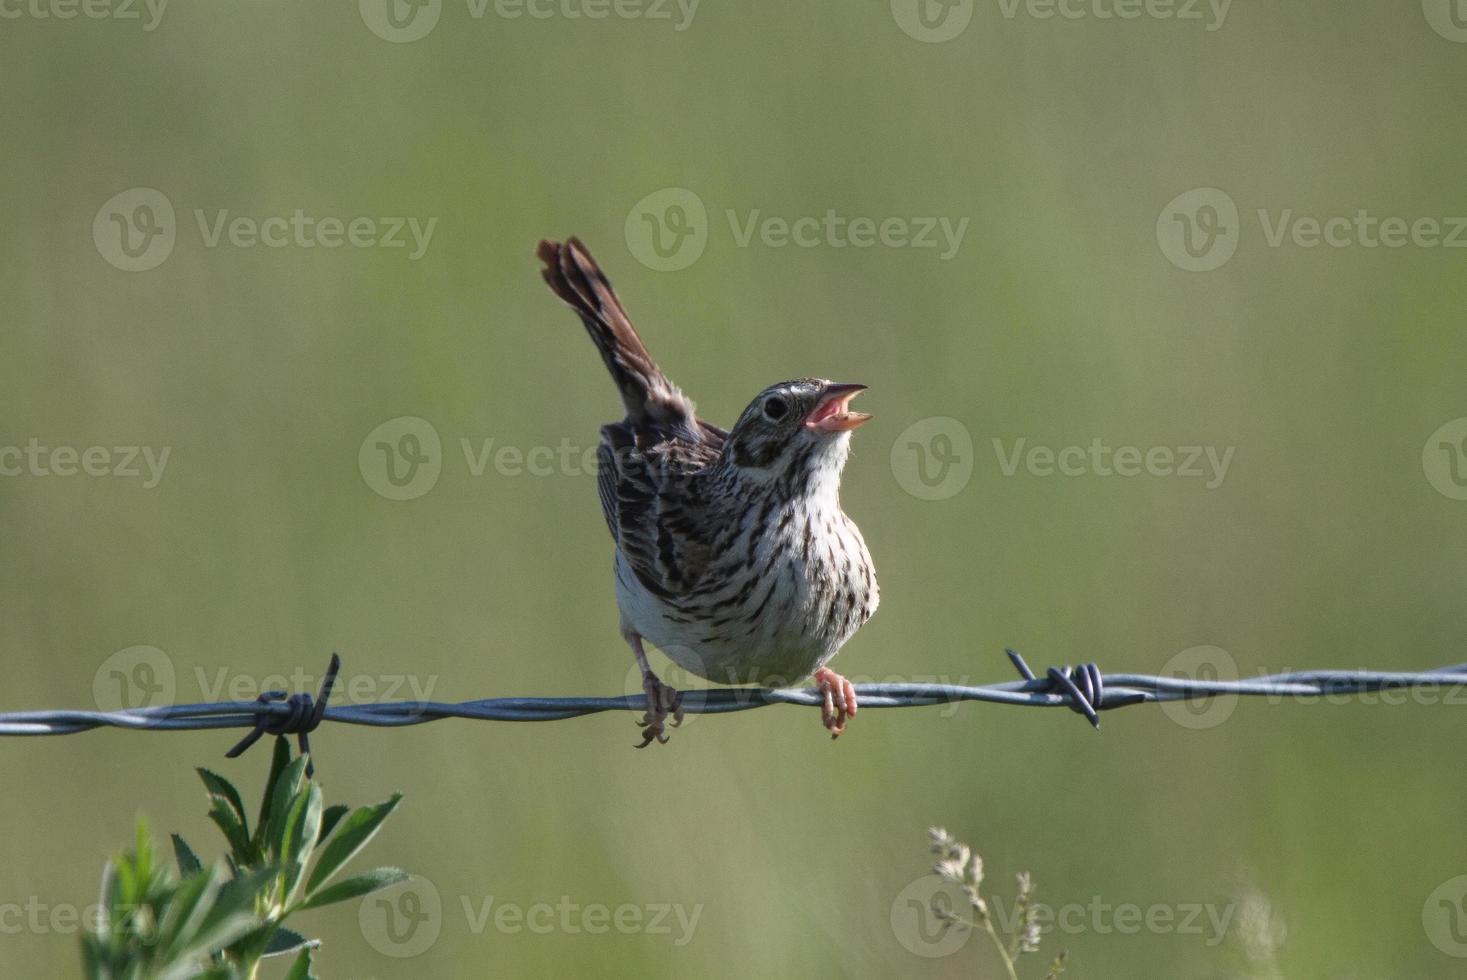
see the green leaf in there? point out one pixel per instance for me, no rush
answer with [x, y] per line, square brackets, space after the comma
[355, 887]
[144, 850]
[329, 819]
[217, 934]
[355, 832]
[302, 825]
[181, 917]
[217, 785]
[282, 798]
[108, 897]
[220, 934]
[301, 968]
[284, 940]
[227, 821]
[278, 762]
[188, 861]
[129, 890]
[92, 958]
[238, 896]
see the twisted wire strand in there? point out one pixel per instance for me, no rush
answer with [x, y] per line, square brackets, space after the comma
[1082, 689]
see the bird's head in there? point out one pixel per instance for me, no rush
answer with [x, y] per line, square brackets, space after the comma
[795, 430]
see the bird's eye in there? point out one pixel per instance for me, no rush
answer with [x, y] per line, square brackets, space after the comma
[775, 408]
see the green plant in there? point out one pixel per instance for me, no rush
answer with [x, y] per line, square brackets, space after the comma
[957, 863]
[218, 923]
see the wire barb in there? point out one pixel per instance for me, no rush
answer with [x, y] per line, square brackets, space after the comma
[1083, 684]
[302, 718]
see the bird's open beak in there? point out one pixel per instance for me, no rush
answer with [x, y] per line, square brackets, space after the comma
[833, 414]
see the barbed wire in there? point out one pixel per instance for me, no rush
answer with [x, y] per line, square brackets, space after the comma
[1082, 689]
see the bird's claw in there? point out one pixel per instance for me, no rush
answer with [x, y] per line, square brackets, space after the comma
[663, 703]
[840, 700]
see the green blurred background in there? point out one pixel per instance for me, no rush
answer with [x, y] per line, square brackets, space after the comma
[1060, 319]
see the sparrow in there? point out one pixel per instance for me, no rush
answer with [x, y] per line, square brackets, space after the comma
[733, 556]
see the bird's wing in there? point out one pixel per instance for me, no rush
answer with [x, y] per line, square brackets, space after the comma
[606, 482]
[651, 498]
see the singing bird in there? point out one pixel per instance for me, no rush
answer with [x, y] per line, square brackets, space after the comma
[733, 556]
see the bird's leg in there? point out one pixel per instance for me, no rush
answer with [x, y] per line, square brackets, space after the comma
[840, 700]
[662, 701]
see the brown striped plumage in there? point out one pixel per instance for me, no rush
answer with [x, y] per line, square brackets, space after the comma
[733, 555]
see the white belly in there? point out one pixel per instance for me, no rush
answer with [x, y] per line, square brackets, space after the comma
[781, 632]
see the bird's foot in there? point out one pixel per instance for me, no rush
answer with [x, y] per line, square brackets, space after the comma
[663, 702]
[840, 700]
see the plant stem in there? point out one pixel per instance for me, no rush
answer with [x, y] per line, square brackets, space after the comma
[1008, 961]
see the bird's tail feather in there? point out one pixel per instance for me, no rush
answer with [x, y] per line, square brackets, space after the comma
[649, 395]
